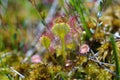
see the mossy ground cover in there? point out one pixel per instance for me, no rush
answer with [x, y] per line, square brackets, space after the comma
[59, 40]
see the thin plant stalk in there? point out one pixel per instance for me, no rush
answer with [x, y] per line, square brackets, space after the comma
[54, 60]
[63, 48]
[115, 56]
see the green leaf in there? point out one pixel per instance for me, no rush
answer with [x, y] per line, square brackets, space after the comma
[59, 52]
[45, 41]
[61, 29]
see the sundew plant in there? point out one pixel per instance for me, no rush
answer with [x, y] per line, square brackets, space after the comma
[59, 39]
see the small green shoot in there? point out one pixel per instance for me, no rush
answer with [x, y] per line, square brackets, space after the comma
[61, 29]
[115, 56]
[45, 41]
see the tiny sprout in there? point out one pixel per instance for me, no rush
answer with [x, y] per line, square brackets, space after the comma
[45, 41]
[61, 29]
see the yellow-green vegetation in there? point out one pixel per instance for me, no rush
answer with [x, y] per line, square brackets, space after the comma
[44, 40]
[61, 30]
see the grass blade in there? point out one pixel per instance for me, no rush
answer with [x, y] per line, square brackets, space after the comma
[115, 56]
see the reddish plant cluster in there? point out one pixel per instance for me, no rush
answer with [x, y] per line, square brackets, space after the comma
[74, 35]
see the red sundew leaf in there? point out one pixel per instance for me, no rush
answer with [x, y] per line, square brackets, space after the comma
[68, 38]
[84, 49]
[52, 47]
[74, 26]
[49, 34]
[57, 19]
[72, 20]
[36, 59]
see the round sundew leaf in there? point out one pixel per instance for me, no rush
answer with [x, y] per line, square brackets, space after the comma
[60, 29]
[45, 41]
